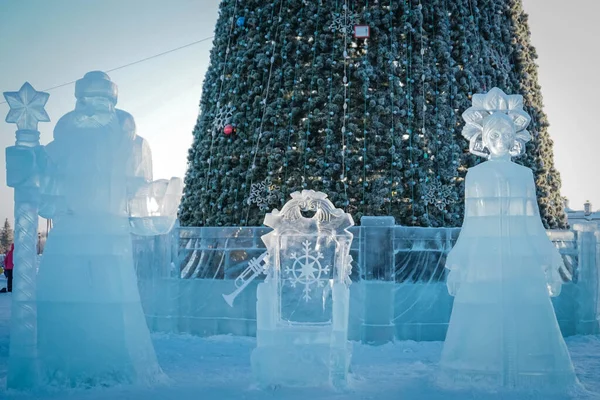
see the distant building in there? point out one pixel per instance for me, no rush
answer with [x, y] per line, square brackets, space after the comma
[585, 215]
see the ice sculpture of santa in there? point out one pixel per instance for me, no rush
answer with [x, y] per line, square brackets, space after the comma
[91, 327]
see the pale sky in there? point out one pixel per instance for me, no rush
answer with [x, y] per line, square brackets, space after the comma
[50, 42]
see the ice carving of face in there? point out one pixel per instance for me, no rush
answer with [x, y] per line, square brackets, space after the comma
[94, 112]
[499, 135]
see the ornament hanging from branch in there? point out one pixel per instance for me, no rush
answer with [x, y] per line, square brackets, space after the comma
[222, 118]
[229, 130]
[362, 31]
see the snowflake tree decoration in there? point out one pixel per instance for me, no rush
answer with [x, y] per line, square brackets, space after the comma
[307, 270]
[222, 117]
[263, 194]
[342, 23]
[439, 195]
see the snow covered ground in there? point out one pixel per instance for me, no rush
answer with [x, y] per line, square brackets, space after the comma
[219, 368]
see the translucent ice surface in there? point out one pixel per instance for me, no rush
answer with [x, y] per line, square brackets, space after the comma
[91, 328]
[23, 161]
[503, 330]
[153, 208]
[302, 306]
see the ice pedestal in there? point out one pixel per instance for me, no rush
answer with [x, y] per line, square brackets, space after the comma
[91, 326]
[379, 284]
[302, 307]
[588, 312]
[301, 355]
[378, 324]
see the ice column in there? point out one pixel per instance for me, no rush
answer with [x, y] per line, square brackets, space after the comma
[587, 279]
[22, 163]
[378, 249]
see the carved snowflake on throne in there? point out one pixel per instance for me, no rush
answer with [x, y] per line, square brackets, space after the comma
[439, 195]
[307, 270]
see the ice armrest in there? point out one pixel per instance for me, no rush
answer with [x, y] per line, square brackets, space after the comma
[153, 208]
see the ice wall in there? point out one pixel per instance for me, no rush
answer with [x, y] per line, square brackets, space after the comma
[186, 296]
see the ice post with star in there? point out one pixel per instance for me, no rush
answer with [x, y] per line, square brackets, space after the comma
[23, 161]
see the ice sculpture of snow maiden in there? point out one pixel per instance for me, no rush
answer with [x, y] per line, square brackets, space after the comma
[97, 187]
[302, 306]
[503, 269]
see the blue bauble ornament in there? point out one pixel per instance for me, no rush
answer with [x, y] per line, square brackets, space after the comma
[241, 21]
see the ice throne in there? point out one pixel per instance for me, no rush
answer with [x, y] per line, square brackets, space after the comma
[302, 307]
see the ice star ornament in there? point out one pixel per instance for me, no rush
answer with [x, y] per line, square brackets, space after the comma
[27, 107]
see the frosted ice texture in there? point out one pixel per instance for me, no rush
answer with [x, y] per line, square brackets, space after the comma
[152, 207]
[97, 188]
[503, 330]
[27, 107]
[302, 307]
[23, 161]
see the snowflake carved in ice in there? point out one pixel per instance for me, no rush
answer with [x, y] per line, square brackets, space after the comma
[223, 117]
[439, 195]
[307, 270]
[343, 23]
[263, 194]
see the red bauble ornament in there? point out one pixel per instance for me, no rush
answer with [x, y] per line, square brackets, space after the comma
[228, 130]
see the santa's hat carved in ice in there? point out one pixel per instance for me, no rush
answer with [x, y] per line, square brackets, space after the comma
[96, 84]
[496, 110]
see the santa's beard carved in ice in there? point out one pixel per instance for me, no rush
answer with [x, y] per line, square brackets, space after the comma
[503, 330]
[91, 327]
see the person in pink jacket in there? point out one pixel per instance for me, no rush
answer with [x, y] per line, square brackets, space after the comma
[8, 269]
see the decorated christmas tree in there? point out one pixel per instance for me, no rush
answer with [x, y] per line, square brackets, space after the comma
[361, 100]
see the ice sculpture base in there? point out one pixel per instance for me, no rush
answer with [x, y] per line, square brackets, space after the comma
[90, 323]
[555, 382]
[304, 365]
[113, 348]
[507, 336]
[22, 372]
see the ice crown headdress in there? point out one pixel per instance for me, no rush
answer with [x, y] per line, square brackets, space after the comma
[486, 105]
